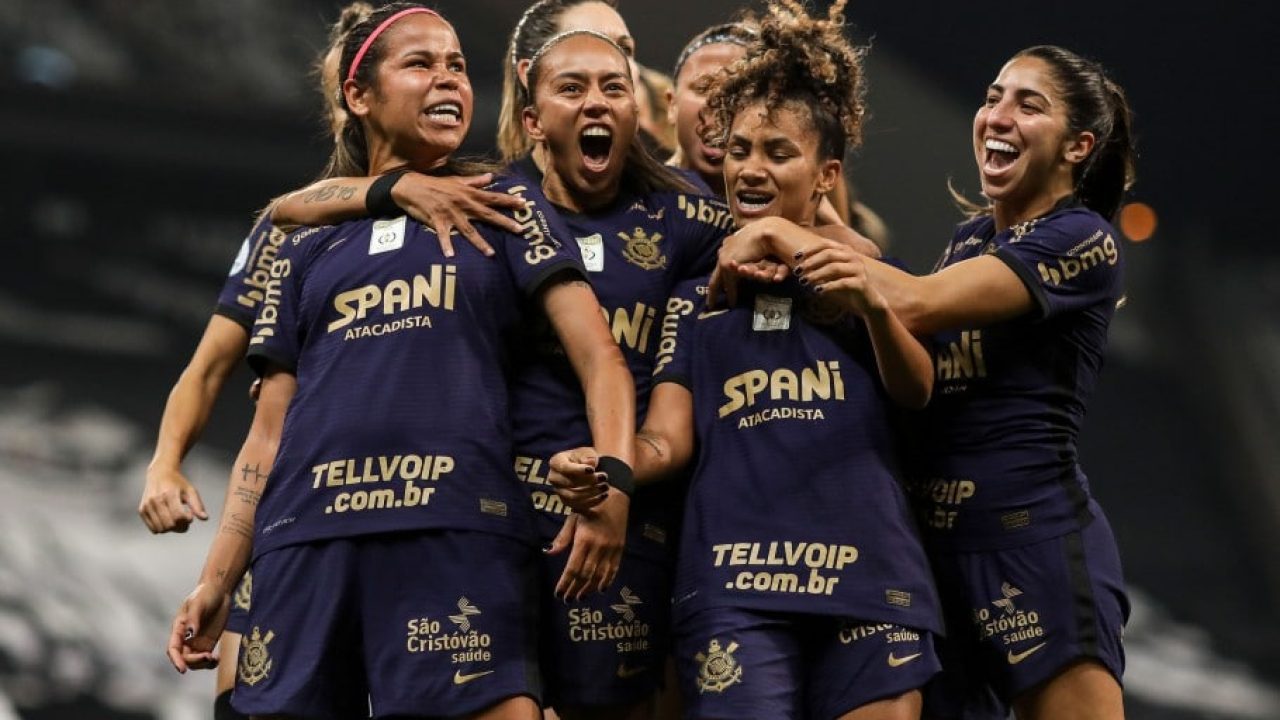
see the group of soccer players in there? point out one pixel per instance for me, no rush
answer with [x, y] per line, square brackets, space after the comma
[853, 492]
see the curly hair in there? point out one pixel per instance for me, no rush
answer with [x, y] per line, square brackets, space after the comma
[799, 60]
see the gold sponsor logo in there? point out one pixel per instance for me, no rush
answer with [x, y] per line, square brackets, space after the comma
[821, 382]
[1015, 658]
[460, 679]
[436, 289]
[255, 658]
[895, 661]
[705, 212]
[625, 672]
[1081, 259]
[718, 669]
[962, 360]
[676, 308]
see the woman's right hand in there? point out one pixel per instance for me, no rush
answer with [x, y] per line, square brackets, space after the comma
[574, 477]
[169, 501]
[196, 628]
[446, 204]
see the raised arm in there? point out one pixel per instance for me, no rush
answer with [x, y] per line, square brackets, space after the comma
[203, 614]
[903, 362]
[441, 203]
[600, 533]
[972, 292]
[169, 500]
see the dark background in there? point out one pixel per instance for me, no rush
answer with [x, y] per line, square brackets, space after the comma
[140, 137]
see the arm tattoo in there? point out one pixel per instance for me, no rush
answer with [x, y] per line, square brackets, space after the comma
[236, 525]
[247, 495]
[342, 192]
[651, 440]
[253, 474]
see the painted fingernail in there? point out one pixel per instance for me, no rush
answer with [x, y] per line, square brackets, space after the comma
[818, 289]
[190, 633]
[799, 254]
[802, 280]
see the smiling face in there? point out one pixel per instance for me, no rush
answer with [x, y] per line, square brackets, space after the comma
[1025, 153]
[585, 114]
[687, 104]
[419, 106]
[772, 166]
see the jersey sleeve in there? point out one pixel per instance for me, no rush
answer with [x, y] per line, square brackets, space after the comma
[278, 332]
[699, 225]
[246, 282]
[675, 346]
[537, 254]
[1069, 263]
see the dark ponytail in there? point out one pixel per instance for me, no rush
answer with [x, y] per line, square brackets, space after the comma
[1098, 105]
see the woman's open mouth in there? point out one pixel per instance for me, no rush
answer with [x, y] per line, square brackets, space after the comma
[596, 144]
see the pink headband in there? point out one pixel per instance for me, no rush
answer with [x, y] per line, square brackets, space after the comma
[364, 48]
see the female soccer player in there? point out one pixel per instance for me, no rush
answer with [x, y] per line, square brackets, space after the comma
[390, 545]
[638, 234]
[711, 50]
[169, 501]
[1020, 304]
[802, 590]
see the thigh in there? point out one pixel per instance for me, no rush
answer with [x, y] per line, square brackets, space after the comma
[300, 653]
[449, 622]
[610, 647]
[735, 663]
[851, 664]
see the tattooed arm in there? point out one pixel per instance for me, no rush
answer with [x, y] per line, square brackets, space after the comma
[203, 614]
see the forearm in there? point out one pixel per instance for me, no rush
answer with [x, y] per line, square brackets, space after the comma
[191, 400]
[323, 203]
[904, 364]
[611, 404]
[232, 545]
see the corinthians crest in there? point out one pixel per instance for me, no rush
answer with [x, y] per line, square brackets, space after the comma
[719, 670]
[255, 659]
[642, 250]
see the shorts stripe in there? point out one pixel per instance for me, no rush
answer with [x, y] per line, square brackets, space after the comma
[1082, 595]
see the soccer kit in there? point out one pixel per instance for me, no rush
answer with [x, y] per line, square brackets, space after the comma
[392, 547]
[1026, 563]
[802, 589]
[608, 648]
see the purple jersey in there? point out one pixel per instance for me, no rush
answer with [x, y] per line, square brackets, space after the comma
[795, 503]
[997, 461]
[246, 283]
[634, 251]
[401, 418]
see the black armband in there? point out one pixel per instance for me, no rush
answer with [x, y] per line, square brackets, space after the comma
[378, 199]
[620, 476]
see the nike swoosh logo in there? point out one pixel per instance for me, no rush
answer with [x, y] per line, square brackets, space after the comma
[460, 679]
[625, 672]
[1015, 658]
[895, 661]
[711, 313]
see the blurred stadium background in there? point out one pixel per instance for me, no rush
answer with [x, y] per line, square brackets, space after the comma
[140, 137]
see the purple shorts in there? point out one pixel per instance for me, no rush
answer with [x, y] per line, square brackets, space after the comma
[609, 648]
[736, 663]
[426, 623]
[238, 618]
[1017, 617]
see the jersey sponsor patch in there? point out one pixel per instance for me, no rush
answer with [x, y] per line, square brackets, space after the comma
[771, 313]
[387, 235]
[592, 247]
